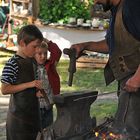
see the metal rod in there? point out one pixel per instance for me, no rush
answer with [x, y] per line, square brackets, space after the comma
[101, 94]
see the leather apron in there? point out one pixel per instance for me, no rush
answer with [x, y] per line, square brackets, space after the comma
[123, 63]
[23, 115]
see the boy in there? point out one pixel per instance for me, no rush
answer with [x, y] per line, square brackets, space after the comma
[18, 80]
[51, 82]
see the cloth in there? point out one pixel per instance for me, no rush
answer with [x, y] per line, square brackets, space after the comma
[10, 70]
[17, 129]
[46, 117]
[128, 114]
[42, 75]
[54, 79]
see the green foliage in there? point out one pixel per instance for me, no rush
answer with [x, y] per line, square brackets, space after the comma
[16, 28]
[56, 10]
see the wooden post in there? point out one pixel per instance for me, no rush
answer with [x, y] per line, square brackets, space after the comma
[35, 8]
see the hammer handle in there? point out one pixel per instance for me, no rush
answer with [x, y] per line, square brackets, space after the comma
[72, 64]
[70, 79]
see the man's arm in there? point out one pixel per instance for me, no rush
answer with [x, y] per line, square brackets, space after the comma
[100, 47]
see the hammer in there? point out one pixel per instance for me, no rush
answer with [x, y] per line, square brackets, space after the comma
[72, 65]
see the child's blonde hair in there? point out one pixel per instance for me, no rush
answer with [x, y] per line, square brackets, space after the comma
[44, 45]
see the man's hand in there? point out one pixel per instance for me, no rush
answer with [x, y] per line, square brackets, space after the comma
[132, 85]
[79, 49]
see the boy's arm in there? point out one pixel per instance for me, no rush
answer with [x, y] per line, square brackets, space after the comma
[11, 89]
[55, 52]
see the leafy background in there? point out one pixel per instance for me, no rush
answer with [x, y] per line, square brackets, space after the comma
[62, 10]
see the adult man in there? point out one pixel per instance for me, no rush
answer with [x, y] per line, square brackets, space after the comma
[122, 42]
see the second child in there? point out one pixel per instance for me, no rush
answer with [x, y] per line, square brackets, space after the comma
[46, 71]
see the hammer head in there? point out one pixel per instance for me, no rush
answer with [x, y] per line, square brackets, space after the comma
[72, 65]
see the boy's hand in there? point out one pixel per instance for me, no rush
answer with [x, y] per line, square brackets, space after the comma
[39, 94]
[35, 83]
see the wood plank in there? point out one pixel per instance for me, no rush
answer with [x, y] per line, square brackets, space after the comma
[89, 65]
[91, 62]
[92, 59]
[24, 1]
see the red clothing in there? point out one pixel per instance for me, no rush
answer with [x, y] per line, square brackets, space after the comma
[55, 54]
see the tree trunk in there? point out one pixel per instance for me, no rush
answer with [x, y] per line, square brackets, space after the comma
[35, 8]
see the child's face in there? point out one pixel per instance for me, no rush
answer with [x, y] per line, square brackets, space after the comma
[41, 55]
[29, 50]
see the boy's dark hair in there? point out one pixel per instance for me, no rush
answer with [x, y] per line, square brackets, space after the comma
[29, 33]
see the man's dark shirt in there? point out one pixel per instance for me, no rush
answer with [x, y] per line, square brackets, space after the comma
[131, 17]
[110, 31]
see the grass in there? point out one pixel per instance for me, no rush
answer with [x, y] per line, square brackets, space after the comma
[84, 79]
[91, 79]
[103, 108]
